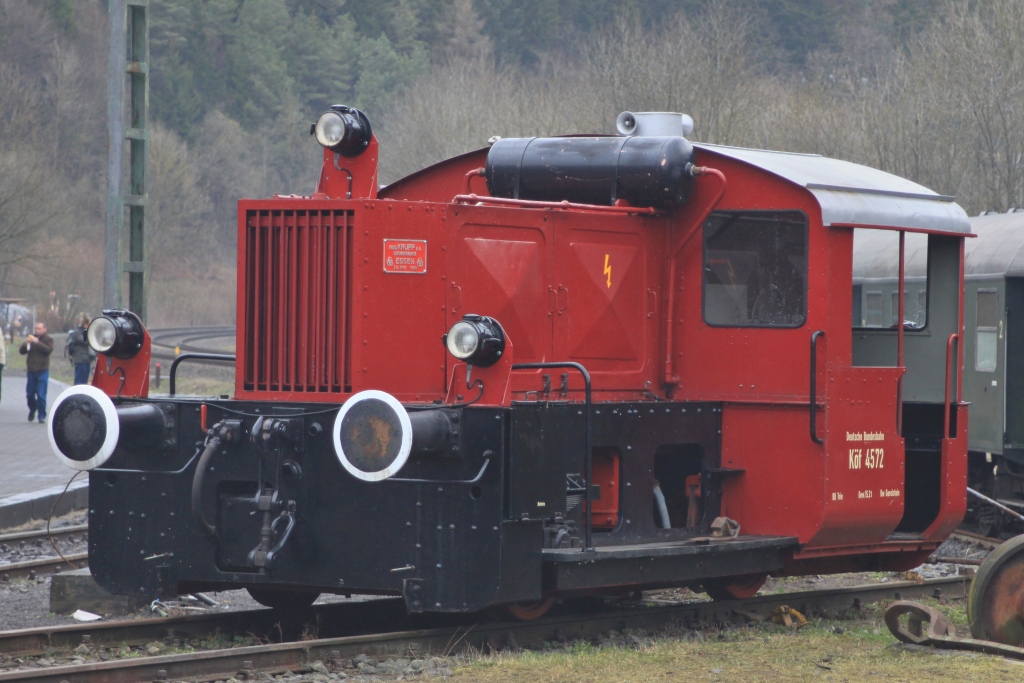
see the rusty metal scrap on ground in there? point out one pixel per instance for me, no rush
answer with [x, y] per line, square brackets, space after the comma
[928, 626]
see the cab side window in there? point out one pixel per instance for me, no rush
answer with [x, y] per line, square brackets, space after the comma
[755, 269]
[987, 329]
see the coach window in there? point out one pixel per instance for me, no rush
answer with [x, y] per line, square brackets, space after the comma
[755, 269]
[876, 272]
[987, 330]
[873, 317]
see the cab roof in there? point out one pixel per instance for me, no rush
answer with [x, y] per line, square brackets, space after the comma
[851, 194]
[998, 250]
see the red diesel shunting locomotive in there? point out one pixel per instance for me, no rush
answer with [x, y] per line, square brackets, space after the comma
[438, 380]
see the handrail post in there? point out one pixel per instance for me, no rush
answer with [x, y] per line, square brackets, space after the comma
[814, 386]
[900, 316]
[588, 525]
[946, 401]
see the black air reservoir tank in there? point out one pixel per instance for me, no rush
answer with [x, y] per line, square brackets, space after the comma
[644, 171]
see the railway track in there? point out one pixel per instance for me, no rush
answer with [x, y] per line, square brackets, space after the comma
[417, 635]
[61, 533]
[977, 539]
[190, 339]
[43, 565]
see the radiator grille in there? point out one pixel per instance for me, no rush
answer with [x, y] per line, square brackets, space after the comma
[297, 300]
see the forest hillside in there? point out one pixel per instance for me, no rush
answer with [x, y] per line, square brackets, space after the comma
[929, 89]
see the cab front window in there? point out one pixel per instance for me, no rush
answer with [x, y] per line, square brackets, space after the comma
[755, 269]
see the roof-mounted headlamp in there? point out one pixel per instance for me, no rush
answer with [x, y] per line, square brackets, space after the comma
[476, 340]
[118, 333]
[343, 130]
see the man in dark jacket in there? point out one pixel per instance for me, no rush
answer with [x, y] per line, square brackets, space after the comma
[38, 348]
[79, 352]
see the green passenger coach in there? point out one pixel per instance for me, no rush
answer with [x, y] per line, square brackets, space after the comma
[993, 341]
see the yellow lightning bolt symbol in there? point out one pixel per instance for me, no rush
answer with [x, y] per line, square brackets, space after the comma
[608, 270]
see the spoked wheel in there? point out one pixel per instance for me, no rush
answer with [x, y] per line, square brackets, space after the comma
[282, 600]
[735, 587]
[528, 611]
[995, 603]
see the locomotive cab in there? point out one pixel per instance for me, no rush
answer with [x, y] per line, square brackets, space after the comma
[554, 366]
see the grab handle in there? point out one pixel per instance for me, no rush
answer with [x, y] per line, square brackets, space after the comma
[947, 400]
[216, 357]
[814, 386]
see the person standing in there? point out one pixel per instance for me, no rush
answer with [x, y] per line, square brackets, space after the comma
[79, 351]
[37, 347]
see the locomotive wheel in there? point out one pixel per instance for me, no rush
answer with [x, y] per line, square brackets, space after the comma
[528, 611]
[282, 600]
[735, 587]
[995, 603]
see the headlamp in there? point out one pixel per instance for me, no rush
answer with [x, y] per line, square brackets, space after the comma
[102, 335]
[477, 340]
[344, 130]
[116, 333]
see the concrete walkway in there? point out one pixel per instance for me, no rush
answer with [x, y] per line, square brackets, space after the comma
[26, 462]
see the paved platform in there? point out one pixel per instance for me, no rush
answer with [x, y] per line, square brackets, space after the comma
[27, 464]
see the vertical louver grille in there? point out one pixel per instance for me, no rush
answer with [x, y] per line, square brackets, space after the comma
[297, 300]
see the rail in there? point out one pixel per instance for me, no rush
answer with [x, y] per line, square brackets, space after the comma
[220, 357]
[469, 633]
[589, 457]
[42, 534]
[42, 565]
[814, 386]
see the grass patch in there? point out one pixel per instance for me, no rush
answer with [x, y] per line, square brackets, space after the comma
[822, 651]
[197, 379]
[197, 386]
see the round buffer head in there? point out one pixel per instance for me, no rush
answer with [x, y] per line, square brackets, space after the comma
[372, 435]
[995, 602]
[83, 427]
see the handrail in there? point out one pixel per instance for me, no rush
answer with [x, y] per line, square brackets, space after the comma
[670, 377]
[475, 173]
[219, 357]
[946, 401]
[900, 332]
[563, 205]
[474, 480]
[814, 386]
[588, 533]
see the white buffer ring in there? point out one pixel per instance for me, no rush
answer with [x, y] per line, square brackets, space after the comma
[113, 426]
[406, 428]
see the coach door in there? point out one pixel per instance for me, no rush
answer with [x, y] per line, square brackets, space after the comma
[985, 364]
[865, 454]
